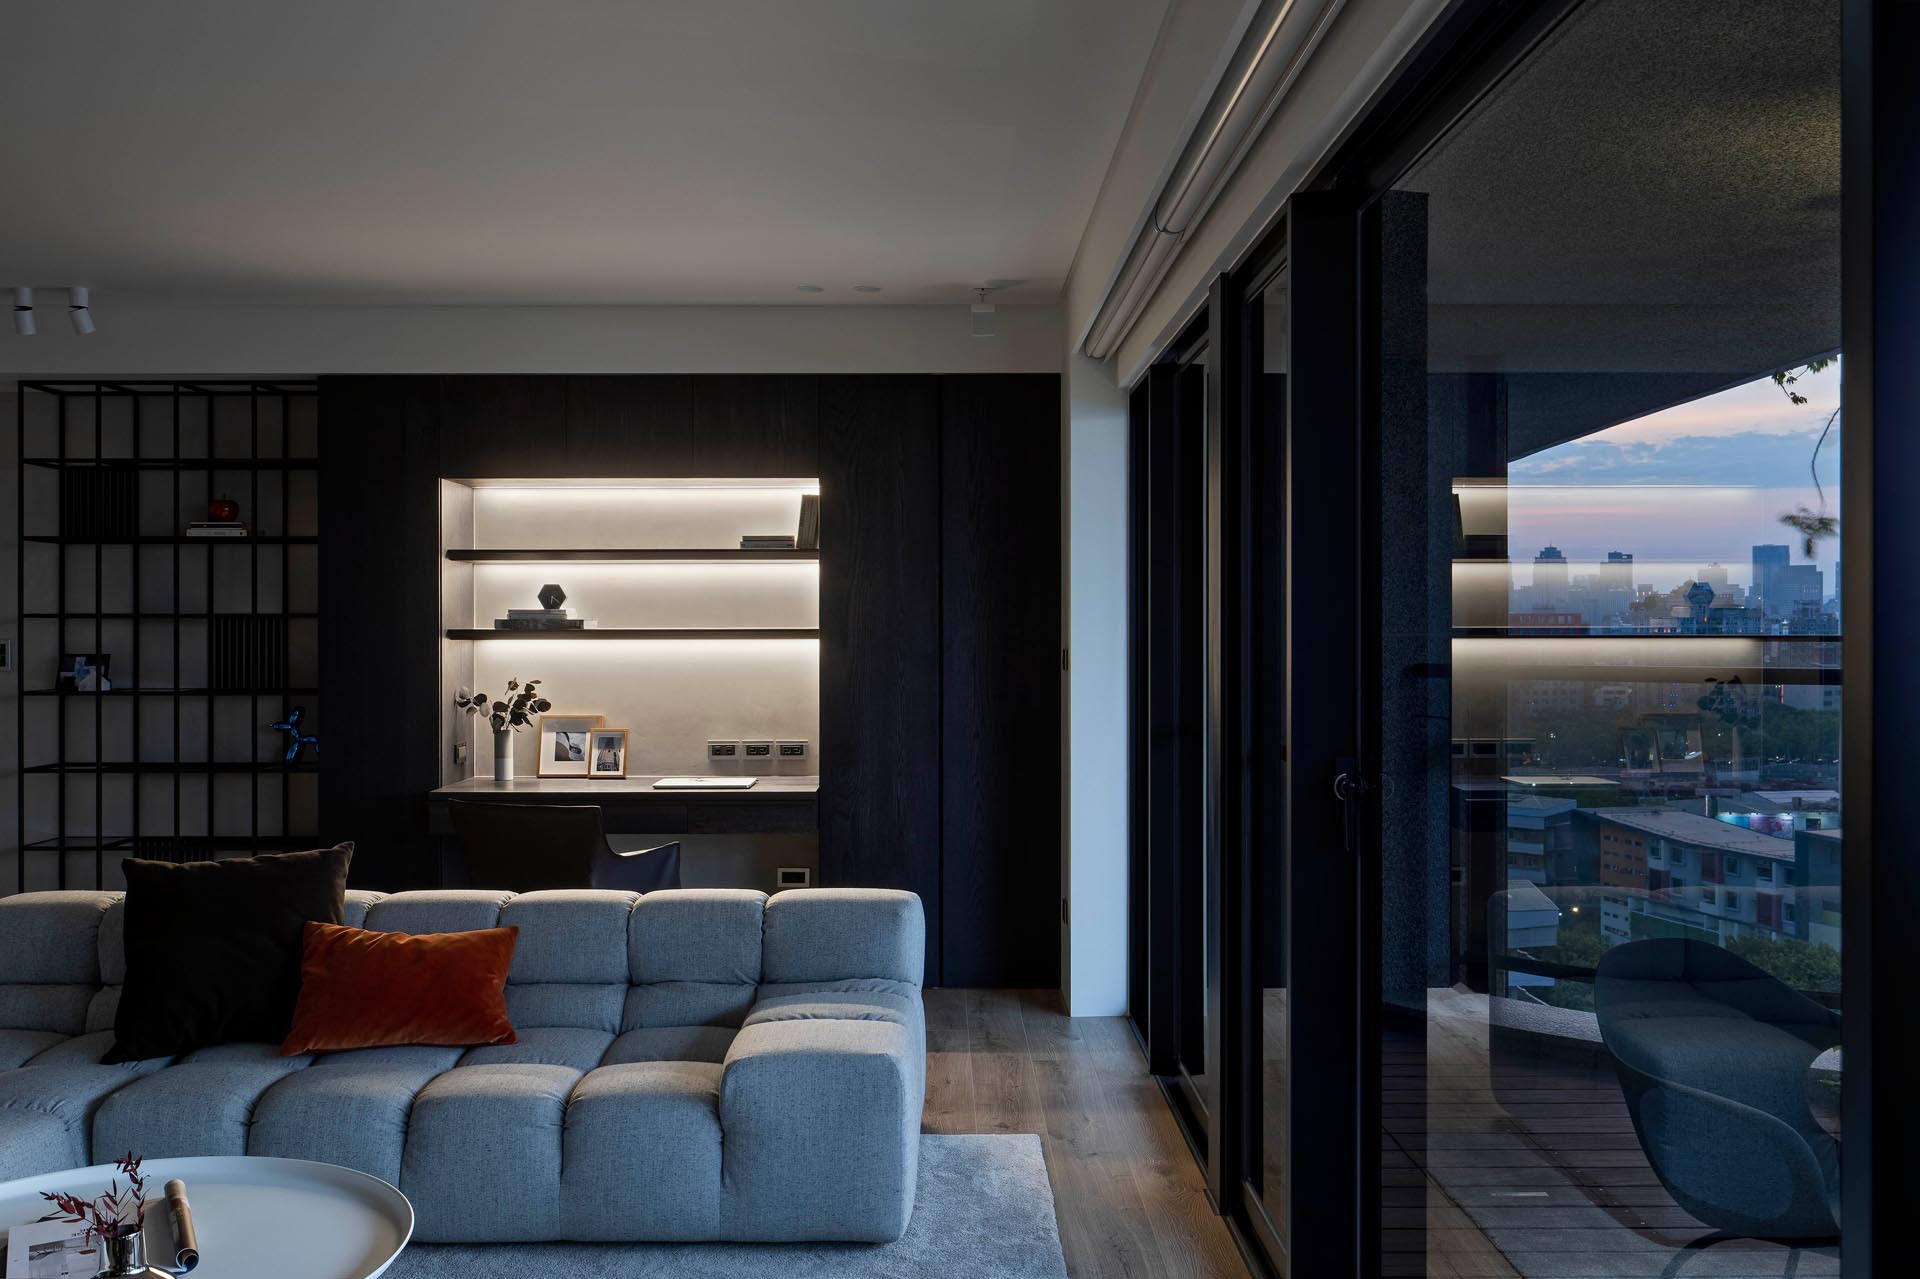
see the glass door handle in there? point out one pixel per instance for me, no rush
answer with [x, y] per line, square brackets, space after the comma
[1348, 788]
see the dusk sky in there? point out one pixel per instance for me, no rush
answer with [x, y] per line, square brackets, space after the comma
[1684, 487]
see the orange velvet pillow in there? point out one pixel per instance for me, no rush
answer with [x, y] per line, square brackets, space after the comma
[361, 989]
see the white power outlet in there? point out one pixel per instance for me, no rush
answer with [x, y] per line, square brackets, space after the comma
[791, 750]
[723, 751]
[757, 750]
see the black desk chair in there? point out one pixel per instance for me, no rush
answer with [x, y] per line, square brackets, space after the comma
[525, 847]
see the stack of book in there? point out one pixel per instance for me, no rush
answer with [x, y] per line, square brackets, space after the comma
[540, 619]
[767, 542]
[217, 528]
[809, 539]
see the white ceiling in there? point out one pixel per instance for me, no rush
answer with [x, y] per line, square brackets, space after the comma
[558, 151]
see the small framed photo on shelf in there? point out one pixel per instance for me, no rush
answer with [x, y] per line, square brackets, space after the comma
[565, 744]
[609, 746]
[83, 673]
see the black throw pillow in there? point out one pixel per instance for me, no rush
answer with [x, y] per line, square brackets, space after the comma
[213, 948]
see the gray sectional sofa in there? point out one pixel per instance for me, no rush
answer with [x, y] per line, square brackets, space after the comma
[693, 1065]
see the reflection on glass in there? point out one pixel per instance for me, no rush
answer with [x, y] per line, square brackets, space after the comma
[1611, 916]
[1266, 849]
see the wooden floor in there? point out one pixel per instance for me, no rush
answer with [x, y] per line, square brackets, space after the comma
[1126, 1187]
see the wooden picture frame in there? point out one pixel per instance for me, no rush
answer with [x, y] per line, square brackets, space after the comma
[550, 755]
[612, 765]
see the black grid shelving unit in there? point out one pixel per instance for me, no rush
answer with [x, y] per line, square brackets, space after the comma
[174, 761]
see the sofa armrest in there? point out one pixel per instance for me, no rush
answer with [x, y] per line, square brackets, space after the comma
[821, 1129]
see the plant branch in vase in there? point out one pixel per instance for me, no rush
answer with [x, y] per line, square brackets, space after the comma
[508, 717]
[115, 1219]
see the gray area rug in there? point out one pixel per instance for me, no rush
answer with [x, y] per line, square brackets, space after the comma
[984, 1208]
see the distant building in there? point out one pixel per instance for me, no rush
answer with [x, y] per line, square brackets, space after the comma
[1811, 697]
[1767, 561]
[1810, 617]
[1683, 874]
[1539, 838]
[1549, 576]
[1794, 585]
[1617, 573]
[1535, 623]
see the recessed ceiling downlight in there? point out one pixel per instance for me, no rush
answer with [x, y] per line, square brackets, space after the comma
[811, 288]
[866, 288]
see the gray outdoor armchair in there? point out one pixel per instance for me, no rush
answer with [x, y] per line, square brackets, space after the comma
[1713, 1054]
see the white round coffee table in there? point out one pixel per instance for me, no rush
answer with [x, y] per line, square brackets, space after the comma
[288, 1218]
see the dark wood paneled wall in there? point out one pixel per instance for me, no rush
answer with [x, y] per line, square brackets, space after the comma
[880, 639]
[380, 623]
[1000, 680]
[940, 604]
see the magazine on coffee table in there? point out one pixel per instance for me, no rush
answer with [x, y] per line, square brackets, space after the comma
[51, 1250]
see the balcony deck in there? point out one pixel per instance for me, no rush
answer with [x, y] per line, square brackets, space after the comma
[1524, 1162]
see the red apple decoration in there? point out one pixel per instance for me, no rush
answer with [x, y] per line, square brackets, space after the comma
[223, 509]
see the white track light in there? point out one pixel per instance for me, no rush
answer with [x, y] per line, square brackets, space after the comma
[80, 309]
[23, 312]
[983, 319]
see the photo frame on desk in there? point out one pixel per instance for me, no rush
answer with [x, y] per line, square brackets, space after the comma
[608, 754]
[565, 745]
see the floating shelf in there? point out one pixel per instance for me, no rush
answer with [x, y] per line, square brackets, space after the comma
[738, 632]
[718, 555]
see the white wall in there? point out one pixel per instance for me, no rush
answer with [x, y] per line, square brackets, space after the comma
[209, 341]
[1094, 869]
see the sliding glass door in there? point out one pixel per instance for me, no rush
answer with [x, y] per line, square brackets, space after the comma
[1609, 684]
[1501, 918]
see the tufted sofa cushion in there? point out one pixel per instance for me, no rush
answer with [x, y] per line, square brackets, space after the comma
[691, 1064]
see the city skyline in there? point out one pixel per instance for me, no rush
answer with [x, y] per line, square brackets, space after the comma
[1699, 483]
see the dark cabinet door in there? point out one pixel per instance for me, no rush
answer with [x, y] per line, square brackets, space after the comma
[501, 426]
[756, 426]
[880, 639]
[1000, 667]
[380, 623]
[629, 427]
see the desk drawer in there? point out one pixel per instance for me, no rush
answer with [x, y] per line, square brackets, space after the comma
[644, 816]
[757, 818]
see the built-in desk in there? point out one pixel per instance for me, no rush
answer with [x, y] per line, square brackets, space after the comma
[774, 806]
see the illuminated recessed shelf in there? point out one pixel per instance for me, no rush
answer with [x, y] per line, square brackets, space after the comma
[609, 633]
[674, 555]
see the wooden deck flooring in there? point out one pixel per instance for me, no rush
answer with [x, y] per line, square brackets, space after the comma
[1129, 1195]
[1525, 1163]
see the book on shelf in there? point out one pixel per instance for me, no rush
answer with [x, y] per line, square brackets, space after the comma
[767, 542]
[218, 528]
[541, 623]
[556, 613]
[808, 538]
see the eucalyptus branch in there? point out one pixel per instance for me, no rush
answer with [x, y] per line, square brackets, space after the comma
[516, 712]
